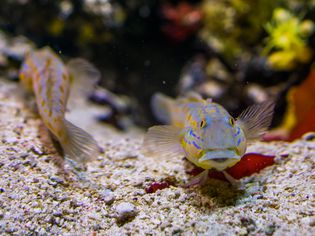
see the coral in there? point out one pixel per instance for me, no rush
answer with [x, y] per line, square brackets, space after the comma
[230, 26]
[286, 45]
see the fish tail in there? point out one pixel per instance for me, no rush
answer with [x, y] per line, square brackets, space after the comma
[161, 107]
[78, 145]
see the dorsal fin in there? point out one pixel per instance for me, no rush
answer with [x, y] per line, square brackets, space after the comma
[85, 76]
[161, 107]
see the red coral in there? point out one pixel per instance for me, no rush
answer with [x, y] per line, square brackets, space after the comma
[183, 20]
[249, 164]
[155, 186]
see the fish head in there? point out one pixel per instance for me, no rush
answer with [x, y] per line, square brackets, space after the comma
[221, 140]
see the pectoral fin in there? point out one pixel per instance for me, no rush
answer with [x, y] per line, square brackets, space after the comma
[199, 179]
[256, 119]
[163, 140]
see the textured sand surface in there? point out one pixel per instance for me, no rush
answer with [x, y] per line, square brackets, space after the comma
[36, 196]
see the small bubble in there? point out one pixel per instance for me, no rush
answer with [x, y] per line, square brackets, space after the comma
[60, 52]
[163, 82]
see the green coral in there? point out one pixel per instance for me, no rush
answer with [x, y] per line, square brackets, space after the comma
[286, 45]
[232, 26]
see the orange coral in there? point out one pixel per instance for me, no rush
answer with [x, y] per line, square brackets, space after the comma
[302, 100]
[300, 115]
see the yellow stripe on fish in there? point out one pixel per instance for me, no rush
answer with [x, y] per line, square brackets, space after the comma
[44, 74]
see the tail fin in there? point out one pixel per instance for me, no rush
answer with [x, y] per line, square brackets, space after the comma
[161, 107]
[79, 145]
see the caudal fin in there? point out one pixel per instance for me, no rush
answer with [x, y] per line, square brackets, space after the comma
[79, 145]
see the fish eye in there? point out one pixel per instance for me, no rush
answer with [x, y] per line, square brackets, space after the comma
[231, 121]
[202, 124]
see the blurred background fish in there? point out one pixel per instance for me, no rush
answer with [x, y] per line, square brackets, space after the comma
[44, 74]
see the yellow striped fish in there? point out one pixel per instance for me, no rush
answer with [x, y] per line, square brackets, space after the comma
[44, 74]
[203, 131]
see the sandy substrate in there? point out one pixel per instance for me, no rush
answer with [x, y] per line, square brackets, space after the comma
[36, 196]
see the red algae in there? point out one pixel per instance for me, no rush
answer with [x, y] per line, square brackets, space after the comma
[183, 21]
[249, 164]
[155, 186]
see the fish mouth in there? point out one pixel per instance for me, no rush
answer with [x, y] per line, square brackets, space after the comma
[220, 155]
[219, 159]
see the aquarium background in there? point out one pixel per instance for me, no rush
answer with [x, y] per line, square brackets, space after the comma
[236, 52]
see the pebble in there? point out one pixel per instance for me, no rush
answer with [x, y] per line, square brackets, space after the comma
[37, 210]
[309, 220]
[42, 231]
[57, 213]
[52, 183]
[310, 136]
[125, 211]
[56, 179]
[108, 196]
[24, 155]
[34, 204]
[139, 192]
[11, 140]
[36, 150]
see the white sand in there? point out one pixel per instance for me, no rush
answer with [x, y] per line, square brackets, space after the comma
[36, 197]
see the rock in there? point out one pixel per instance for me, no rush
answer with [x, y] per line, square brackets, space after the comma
[37, 210]
[310, 136]
[125, 211]
[108, 196]
[56, 180]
